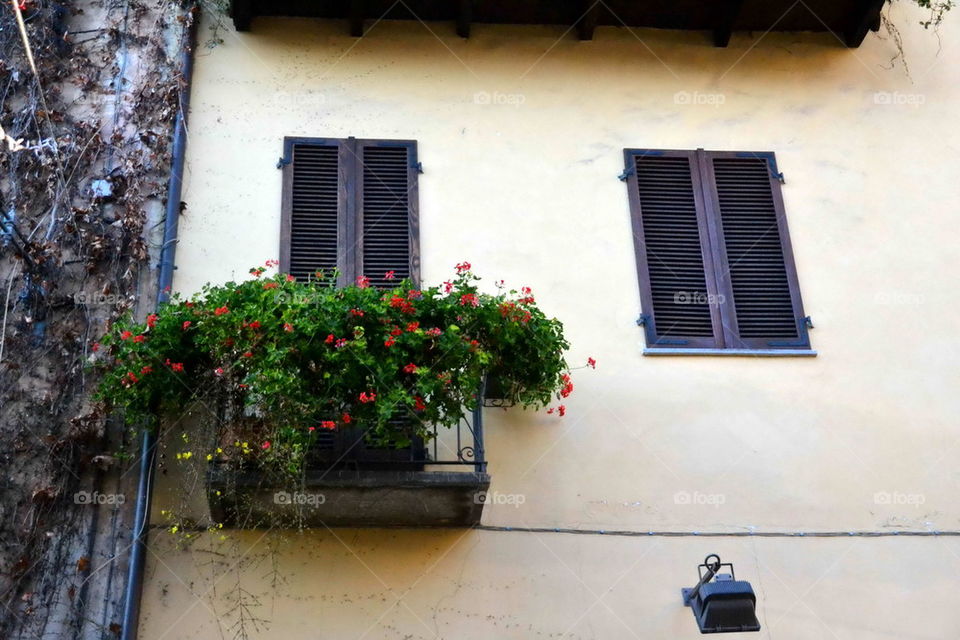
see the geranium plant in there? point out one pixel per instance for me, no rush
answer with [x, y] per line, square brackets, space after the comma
[283, 359]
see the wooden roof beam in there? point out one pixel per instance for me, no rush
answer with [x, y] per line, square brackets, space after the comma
[464, 18]
[588, 20]
[242, 12]
[357, 15]
[727, 14]
[865, 17]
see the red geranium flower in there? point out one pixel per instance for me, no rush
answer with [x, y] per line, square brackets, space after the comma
[347, 419]
[145, 370]
[219, 311]
[152, 320]
[270, 285]
[330, 339]
[591, 363]
[418, 404]
[367, 397]
[248, 354]
[290, 278]
[329, 425]
[126, 335]
[463, 266]
[186, 324]
[265, 445]
[410, 368]
[254, 325]
[139, 338]
[363, 282]
[389, 275]
[287, 327]
[272, 263]
[389, 342]
[413, 326]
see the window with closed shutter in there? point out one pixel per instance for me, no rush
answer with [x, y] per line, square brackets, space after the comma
[350, 205]
[714, 260]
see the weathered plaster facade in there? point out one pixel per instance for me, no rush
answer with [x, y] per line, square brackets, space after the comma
[521, 132]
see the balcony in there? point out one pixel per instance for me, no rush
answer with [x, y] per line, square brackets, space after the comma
[850, 20]
[352, 482]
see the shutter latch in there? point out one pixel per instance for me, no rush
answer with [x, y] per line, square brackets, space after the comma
[806, 323]
[626, 174]
[418, 166]
[642, 320]
[282, 162]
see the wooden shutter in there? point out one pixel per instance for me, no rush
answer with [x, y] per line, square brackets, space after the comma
[761, 302]
[352, 205]
[314, 207]
[387, 226]
[674, 263]
[714, 259]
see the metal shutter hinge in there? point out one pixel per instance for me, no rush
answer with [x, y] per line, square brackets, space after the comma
[418, 166]
[626, 174]
[642, 320]
[771, 164]
[282, 162]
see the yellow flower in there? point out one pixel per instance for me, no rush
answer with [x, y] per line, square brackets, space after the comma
[209, 457]
[174, 529]
[219, 450]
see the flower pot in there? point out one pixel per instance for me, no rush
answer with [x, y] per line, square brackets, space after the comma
[497, 392]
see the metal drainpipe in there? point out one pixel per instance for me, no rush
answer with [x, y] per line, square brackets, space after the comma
[141, 525]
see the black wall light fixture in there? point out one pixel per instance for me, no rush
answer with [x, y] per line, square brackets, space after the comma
[720, 602]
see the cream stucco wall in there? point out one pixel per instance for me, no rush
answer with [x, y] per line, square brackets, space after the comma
[527, 191]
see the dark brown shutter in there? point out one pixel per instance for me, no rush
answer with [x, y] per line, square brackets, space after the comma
[674, 263]
[313, 208]
[755, 269]
[387, 226]
[351, 205]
